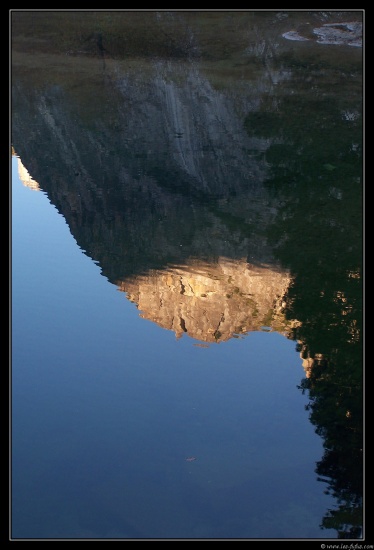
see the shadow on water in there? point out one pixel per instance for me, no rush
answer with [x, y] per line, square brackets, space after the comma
[210, 172]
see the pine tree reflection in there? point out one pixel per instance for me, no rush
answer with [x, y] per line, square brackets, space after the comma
[316, 169]
[335, 404]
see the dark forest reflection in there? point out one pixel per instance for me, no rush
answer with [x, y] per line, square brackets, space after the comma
[217, 180]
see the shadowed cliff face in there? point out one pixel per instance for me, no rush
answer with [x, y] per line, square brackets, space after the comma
[152, 167]
[157, 167]
[186, 189]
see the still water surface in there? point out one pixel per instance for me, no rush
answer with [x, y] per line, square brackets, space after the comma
[186, 275]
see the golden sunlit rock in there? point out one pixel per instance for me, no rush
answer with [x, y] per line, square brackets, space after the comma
[25, 177]
[211, 302]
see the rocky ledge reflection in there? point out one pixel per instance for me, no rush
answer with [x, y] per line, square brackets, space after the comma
[212, 302]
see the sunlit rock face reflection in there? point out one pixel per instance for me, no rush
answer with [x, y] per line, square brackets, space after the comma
[25, 177]
[211, 302]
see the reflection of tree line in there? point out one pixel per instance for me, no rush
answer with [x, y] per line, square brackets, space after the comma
[316, 161]
[335, 405]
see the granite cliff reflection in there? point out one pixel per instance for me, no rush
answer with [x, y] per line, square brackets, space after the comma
[212, 302]
[160, 184]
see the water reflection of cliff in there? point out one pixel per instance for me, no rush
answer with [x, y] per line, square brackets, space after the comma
[25, 177]
[152, 167]
[212, 302]
[219, 197]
